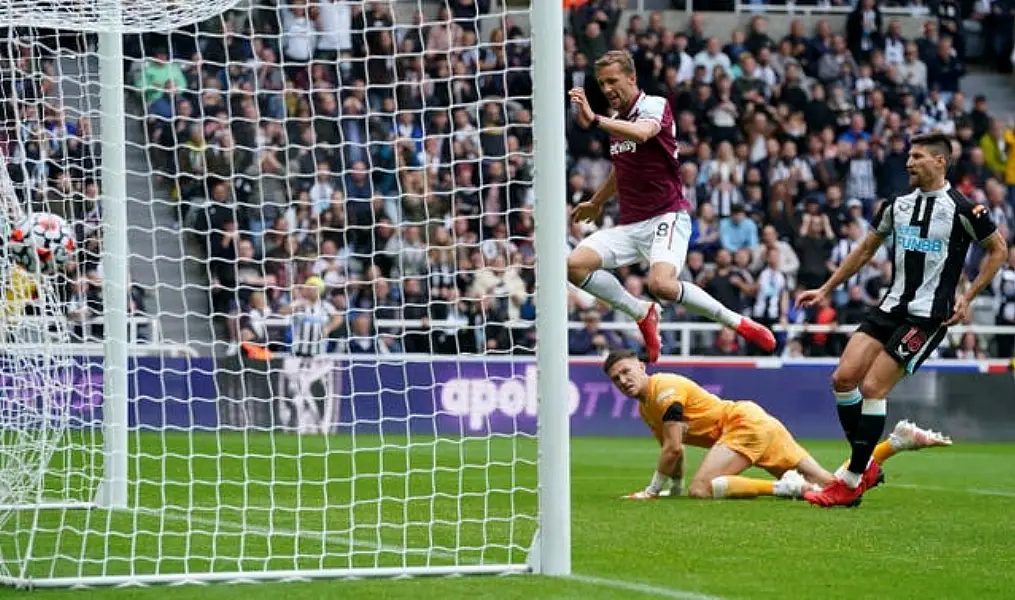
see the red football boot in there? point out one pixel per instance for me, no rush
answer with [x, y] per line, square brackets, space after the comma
[757, 334]
[836, 493]
[872, 477]
[649, 327]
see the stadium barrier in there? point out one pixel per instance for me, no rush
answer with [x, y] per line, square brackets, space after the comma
[791, 8]
[684, 329]
[971, 400]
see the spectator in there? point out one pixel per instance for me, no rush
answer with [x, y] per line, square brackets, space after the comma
[592, 339]
[995, 150]
[894, 44]
[838, 65]
[823, 343]
[1001, 212]
[712, 58]
[1004, 302]
[729, 284]
[727, 344]
[789, 263]
[913, 71]
[890, 168]
[161, 77]
[705, 231]
[814, 246]
[737, 232]
[772, 301]
[758, 38]
[863, 29]
[945, 70]
[949, 20]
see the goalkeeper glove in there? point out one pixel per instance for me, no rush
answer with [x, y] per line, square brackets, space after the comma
[645, 494]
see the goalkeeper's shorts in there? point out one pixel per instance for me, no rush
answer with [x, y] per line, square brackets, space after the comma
[762, 438]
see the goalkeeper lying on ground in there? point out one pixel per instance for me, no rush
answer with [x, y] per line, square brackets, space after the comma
[739, 435]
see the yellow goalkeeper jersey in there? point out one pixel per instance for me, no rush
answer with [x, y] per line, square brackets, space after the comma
[20, 290]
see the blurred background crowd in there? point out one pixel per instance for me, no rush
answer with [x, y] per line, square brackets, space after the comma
[392, 159]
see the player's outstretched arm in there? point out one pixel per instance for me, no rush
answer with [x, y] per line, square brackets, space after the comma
[856, 259]
[997, 255]
[639, 132]
[670, 465]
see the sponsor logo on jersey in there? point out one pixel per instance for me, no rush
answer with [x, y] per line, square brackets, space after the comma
[908, 238]
[622, 147]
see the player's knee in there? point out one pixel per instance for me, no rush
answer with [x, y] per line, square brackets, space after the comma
[666, 288]
[577, 269]
[844, 379]
[700, 488]
[872, 388]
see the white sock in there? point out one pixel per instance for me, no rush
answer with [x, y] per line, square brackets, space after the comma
[720, 485]
[698, 301]
[851, 479]
[608, 288]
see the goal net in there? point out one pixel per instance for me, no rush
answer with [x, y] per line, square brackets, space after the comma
[329, 210]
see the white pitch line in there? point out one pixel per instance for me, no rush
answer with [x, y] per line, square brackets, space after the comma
[310, 535]
[954, 490]
[643, 588]
[619, 584]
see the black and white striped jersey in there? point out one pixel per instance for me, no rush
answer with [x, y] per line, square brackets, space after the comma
[308, 328]
[930, 236]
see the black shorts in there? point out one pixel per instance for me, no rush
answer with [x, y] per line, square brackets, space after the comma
[909, 340]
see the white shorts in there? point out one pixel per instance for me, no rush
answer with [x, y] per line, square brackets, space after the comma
[659, 239]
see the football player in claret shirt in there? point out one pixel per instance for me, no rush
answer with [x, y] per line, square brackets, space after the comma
[654, 223]
[738, 435]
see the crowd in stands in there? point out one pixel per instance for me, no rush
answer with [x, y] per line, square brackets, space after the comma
[51, 154]
[788, 146]
[392, 159]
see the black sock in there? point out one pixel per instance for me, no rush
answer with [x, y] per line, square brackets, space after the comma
[868, 433]
[849, 405]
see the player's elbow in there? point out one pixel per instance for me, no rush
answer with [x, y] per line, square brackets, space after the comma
[644, 132]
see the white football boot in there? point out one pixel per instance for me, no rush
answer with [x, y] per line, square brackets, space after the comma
[791, 485]
[909, 436]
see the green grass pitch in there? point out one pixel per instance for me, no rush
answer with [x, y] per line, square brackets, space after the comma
[943, 526]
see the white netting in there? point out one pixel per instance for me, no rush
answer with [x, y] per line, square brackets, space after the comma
[48, 448]
[111, 15]
[361, 168]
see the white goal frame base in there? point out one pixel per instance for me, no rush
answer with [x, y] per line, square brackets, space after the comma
[255, 576]
[54, 505]
[530, 566]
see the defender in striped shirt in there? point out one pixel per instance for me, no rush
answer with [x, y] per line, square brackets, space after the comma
[930, 230]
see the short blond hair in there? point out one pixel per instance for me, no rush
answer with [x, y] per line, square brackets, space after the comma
[616, 57]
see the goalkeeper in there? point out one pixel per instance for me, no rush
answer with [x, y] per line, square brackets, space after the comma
[738, 435]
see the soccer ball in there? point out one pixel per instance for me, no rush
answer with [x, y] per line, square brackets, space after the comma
[42, 243]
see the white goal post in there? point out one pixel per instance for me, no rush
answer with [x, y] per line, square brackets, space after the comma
[237, 457]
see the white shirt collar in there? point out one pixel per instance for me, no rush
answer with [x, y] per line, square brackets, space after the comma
[938, 192]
